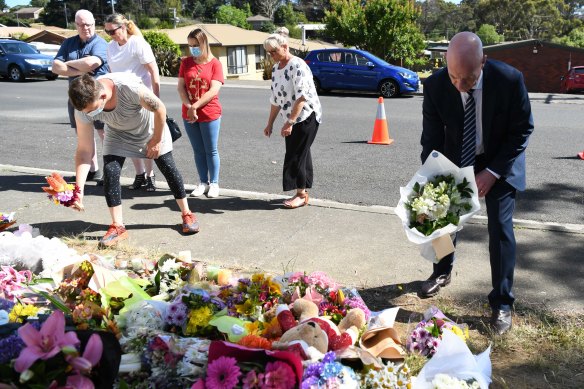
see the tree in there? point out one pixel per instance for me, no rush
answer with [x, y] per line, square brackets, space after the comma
[266, 7]
[35, 3]
[489, 35]
[3, 5]
[575, 38]
[386, 28]
[230, 15]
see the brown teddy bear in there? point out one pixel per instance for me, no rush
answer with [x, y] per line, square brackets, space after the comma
[308, 337]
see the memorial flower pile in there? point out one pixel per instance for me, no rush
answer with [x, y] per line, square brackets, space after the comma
[60, 192]
[170, 324]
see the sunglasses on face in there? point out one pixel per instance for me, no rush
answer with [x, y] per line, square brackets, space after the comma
[112, 32]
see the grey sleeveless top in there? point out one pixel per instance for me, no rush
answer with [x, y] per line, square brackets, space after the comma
[129, 126]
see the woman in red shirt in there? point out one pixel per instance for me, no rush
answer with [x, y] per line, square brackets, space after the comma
[199, 80]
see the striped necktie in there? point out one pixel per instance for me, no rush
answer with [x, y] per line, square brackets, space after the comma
[469, 135]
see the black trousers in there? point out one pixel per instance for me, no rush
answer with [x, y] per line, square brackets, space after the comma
[297, 172]
[112, 168]
[500, 202]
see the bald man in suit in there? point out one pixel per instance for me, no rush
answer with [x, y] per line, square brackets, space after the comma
[502, 122]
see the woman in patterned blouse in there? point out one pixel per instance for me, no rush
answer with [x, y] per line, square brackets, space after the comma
[294, 97]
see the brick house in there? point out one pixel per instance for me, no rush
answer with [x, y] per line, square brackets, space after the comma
[542, 63]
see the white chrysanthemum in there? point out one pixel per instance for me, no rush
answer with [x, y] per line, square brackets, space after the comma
[169, 265]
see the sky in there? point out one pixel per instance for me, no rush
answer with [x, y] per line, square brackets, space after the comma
[12, 3]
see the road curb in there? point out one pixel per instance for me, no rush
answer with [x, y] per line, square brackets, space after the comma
[377, 209]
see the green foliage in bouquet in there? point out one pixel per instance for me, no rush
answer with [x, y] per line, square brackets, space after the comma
[438, 203]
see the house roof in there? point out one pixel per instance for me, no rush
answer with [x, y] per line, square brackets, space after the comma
[53, 36]
[12, 31]
[28, 10]
[228, 35]
[258, 18]
[529, 42]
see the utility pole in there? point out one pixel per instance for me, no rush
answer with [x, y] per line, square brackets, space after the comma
[174, 19]
[66, 19]
[112, 2]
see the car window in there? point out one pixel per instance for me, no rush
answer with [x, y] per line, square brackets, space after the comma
[579, 71]
[361, 60]
[350, 59]
[328, 56]
[18, 48]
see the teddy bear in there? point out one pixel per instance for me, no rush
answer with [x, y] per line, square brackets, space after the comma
[339, 337]
[308, 338]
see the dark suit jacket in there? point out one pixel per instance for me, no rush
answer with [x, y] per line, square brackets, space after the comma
[506, 114]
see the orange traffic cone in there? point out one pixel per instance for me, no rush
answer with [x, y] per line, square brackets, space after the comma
[380, 133]
[581, 154]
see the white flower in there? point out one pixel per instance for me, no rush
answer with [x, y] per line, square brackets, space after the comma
[169, 265]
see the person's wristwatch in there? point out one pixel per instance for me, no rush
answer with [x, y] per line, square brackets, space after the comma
[291, 122]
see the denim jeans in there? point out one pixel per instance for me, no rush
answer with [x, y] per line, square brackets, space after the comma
[204, 137]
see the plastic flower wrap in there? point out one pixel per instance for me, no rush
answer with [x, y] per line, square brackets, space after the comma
[427, 335]
[6, 220]
[454, 366]
[233, 366]
[60, 192]
[436, 203]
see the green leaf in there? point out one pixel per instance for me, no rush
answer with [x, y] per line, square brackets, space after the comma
[56, 301]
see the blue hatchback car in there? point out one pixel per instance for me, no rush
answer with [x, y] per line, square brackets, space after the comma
[19, 60]
[349, 69]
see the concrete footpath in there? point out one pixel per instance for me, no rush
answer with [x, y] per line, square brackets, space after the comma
[364, 247]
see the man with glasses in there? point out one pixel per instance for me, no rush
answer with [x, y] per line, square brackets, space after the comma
[80, 54]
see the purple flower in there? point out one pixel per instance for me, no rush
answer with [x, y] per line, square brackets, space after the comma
[63, 197]
[356, 302]
[11, 346]
[309, 383]
[177, 313]
[6, 305]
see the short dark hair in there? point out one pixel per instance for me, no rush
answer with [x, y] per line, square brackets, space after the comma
[83, 91]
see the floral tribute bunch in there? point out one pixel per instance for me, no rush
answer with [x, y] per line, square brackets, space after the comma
[444, 381]
[12, 282]
[251, 297]
[328, 374]
[438, 203]
[332, 301]
[60, 192]
[6, 220]
[427, 335]
[390, 376]
[50, 357]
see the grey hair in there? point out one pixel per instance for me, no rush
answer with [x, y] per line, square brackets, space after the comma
[277, 39]
[83, 12]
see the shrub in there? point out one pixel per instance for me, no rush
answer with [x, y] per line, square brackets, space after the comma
[166, 52]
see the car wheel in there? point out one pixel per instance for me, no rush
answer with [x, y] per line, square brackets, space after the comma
[52, 77]
[319, 89]
[389, 88]
[15, 73]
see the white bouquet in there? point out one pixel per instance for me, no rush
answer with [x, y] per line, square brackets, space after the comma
[436, 203]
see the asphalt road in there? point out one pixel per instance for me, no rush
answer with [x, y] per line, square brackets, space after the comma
[34, 132]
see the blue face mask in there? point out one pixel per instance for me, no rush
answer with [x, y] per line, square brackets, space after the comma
[96, 111]
[196, 51]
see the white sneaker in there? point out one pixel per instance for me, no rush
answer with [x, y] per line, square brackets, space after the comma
[200, 189]
[213, 190]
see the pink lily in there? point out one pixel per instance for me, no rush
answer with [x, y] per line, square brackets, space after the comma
[46, 343]
[91, 355]
[78, 381]
[310, 294]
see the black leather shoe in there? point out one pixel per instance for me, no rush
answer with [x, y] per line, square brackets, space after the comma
[432, 285]
[501, 321]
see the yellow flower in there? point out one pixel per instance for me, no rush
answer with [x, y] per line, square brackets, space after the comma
[253, 328]
[247, 308]
[198, 319]
[460, 333]
[20, 312]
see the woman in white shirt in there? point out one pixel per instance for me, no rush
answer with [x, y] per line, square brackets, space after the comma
[294, 97]
[129, 52]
